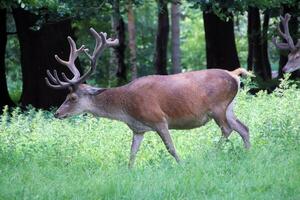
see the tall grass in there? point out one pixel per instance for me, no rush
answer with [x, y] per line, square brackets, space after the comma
[86, 158]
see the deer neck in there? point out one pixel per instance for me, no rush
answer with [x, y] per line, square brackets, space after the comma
[108, 104]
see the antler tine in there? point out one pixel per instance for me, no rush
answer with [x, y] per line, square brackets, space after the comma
[57, 79]
[51, 77]
[55, 86]
[99, 41]
[66, 78]
[101, 44]
[49, 84]
[74, 53]
[280, 45]
[286, 34]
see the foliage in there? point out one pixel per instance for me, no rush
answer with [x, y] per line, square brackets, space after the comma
[222, 7]
[86, 158]
[97, 14]
[192, 40]
[145, 20]
[57, 8]
[13, 69]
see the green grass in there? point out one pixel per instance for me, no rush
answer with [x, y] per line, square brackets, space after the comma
[86, 158]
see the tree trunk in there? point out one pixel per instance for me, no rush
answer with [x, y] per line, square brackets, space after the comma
[258, 59]
[162, 38]
[175, 13]
[220, 42]
[119, 51]
[132, 42]
[250, 41]
[38, 48]
[255, 38]
[265, 55]
[293, 28]
[5, 98]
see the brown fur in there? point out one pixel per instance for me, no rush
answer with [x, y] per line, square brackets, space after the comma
[181, 101]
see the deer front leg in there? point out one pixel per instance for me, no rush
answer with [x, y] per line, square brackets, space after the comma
[164, 134]
[136, 142]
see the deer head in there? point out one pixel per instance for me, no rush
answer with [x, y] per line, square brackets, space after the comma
[294, 55]
[79, 98]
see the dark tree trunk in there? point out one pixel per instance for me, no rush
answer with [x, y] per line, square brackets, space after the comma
[38, 48]
[132, 40]
[250, 41]
[293, 28]
[4, 96]
[175, 13]
[258, 59]
[162, 38]
[119, 51]
[255, 39]
[220, 42]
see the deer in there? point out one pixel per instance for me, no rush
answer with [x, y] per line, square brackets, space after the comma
[152, 103]
[293, 62]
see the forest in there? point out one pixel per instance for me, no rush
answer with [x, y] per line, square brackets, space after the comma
[156, 37]
[85, 157]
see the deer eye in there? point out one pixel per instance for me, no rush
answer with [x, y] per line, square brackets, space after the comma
[73, 98]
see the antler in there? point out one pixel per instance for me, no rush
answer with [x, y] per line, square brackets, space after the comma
[286, 35]
[101, 43]
[74, 53]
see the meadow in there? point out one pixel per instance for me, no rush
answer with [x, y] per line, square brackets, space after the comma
[86, 158]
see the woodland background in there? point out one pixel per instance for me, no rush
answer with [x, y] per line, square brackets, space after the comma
[156, 37]
[84, 157]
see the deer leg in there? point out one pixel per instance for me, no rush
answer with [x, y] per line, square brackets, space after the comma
[243, 131]
[164, 134]
[136, 142]
[220, 119]
[238, 126]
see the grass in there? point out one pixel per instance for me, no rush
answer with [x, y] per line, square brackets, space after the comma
[86, 158]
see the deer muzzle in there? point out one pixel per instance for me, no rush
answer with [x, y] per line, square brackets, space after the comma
[288, 68]
[58, 115]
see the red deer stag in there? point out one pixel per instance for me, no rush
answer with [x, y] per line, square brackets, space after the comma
[293, 62]
[153, 103]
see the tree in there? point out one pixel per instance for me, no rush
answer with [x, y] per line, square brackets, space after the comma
[132, 40]
[220, 42]
[162, 38]
[258, 59]
[119, 51]
[5, 98]
[38, 48]
[267, 71]
[175, 17]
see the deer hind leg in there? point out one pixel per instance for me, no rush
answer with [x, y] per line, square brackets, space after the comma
[219, 115]
[237, 125]
[163, 132]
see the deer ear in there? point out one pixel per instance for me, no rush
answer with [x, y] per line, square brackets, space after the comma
[95, 91]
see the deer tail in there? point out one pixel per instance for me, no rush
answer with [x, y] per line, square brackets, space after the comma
[241, 72]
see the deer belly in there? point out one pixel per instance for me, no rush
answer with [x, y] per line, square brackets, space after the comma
[188, 122]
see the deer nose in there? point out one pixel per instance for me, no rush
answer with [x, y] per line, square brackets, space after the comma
[56, 114]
